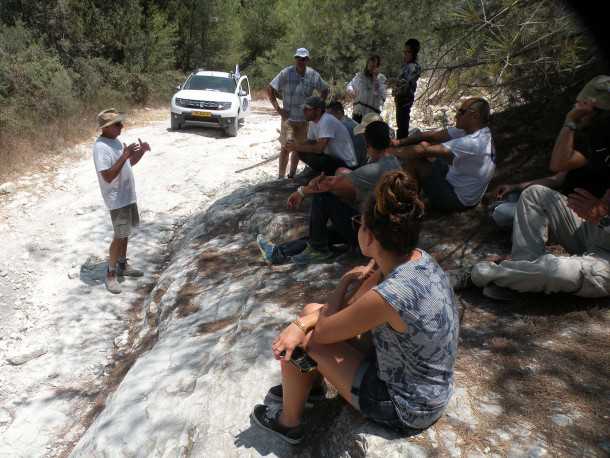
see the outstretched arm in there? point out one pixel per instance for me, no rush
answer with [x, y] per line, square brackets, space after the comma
[430, 136]
[421, 150]
[553, 182]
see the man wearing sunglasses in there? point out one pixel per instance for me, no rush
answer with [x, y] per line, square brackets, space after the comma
[453, 166]
[113, 161]
[577, 218]
[294, 83]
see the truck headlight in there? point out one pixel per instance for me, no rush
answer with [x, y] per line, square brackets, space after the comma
[224, 105]
[181, 102]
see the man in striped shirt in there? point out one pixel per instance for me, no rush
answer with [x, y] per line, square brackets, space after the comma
[294, 83]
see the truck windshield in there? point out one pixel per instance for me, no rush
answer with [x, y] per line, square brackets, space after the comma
[214, 83]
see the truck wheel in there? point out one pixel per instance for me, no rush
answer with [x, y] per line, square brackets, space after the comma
[231, 129]
[175, 123]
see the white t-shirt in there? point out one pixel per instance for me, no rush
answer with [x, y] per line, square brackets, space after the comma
[121, 191]
[340, 143]
[474, 163]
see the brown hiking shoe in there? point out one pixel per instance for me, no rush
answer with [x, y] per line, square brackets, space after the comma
[125, 270]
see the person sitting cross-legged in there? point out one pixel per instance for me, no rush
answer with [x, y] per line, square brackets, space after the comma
[407, 304]
[453, 166]
[335, 199]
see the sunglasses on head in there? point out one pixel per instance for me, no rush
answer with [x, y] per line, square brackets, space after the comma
[356, 222]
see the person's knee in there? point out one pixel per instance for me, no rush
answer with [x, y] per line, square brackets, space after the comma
[342, 171]
[311, 308]
[537, 193]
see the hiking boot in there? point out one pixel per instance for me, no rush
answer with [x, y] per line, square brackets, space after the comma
[269, 251]
[499, 293]
[266, 419]
[125, 270]
[460, 278]
[112, 284]
[317, 394]
[312, 256]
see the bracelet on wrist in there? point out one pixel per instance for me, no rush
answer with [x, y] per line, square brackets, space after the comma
[301, 191]
[300, 325]
[570, 125]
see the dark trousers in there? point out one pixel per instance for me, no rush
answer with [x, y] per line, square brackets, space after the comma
[403, 117]
[325, 207]
[322, 162]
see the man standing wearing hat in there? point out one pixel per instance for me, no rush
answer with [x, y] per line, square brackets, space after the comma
[294, 83]
[579, 221]
[113, 161]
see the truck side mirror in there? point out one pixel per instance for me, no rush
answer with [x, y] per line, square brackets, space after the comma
[179, 87]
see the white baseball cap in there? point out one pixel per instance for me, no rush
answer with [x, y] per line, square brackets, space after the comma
[302, 52]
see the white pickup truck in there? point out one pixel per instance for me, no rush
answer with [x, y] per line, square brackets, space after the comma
[213, 99]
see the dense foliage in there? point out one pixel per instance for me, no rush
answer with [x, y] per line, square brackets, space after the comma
[59, 57]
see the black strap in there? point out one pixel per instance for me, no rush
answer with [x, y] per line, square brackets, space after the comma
[368, 106]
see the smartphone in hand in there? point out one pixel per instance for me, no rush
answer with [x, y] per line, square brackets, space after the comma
[301, 360]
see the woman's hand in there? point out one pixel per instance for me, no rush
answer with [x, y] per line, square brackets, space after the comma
[291, 337]
[359, 274]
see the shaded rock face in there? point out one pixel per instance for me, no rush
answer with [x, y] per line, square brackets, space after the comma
[203, 356]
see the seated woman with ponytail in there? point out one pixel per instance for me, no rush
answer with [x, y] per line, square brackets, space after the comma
[404, 299]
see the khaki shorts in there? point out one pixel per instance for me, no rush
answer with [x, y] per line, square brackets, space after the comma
[124, 219]
[293, 130]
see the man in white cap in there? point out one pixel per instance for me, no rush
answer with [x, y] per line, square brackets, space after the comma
[113, 161]
[579, 221]
[294, 83]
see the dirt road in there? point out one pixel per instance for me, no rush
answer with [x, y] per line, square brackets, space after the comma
[58, 326]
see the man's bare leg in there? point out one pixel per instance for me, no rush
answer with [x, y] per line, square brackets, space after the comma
[111, 275]
[294, 162]
[283, 162]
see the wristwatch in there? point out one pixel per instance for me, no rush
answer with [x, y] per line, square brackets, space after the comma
[570, 125]
[300, 191]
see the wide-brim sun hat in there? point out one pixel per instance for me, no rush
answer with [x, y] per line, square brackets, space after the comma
[598, 90]
[366, 120]
[109, 117]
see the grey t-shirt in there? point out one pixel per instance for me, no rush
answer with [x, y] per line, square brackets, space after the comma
[417, 365]
[358, 140]
[365, 178]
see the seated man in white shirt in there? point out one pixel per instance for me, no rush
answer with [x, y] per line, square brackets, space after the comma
[453, 166]
[329, 144]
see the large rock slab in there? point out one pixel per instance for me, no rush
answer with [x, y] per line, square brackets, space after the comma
[526, 384]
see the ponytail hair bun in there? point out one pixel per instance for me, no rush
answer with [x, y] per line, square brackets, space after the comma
[394, 212]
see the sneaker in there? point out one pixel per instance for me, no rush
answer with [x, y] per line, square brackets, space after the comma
[312, 256]
[460, 278]
[499, 293]
[112, 284]
[317, 394]
[269, 251]
[125, 270]
[266, 419]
